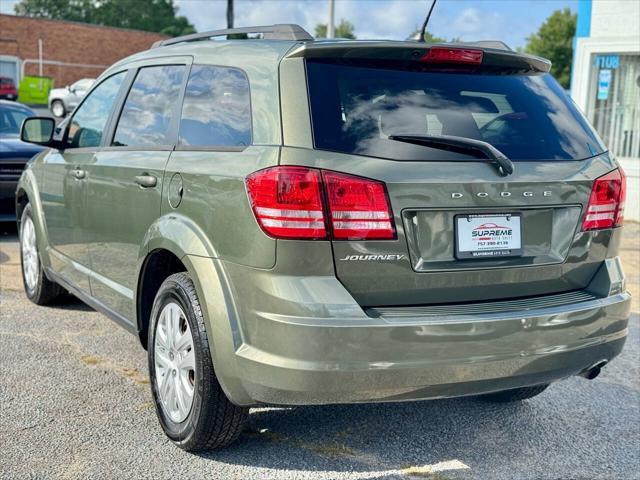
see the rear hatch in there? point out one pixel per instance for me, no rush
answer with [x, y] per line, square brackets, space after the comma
[465, 232]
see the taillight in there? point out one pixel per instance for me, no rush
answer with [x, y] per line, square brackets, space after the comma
[453, 55]
[308, 203]
[358, 207]
[287, 202]
[606, 203]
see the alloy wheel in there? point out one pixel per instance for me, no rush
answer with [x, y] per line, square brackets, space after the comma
[30, 262]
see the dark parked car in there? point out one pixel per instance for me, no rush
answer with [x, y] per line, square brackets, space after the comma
[8, 89]
[14, 154]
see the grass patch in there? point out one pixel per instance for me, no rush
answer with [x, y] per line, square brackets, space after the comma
[332, 449]
[422, 472]
[91, 359]
[329, 449]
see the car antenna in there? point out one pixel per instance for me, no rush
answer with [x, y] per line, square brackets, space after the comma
[426, 21]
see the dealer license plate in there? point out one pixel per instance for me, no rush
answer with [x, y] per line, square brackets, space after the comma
[486, 236]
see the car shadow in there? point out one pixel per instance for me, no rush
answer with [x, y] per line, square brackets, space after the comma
[69, 302]
[470, 436]
[8, 229]
[383, 440]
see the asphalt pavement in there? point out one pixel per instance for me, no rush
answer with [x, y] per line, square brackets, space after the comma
[75, 403]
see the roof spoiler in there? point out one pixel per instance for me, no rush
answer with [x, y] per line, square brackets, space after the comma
[495, 44]
[384, 51]
[284, 31]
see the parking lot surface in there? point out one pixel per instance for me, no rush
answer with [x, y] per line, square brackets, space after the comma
[75, 403]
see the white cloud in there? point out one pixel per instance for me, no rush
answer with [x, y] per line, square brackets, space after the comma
[508, 20]
[6, 6]
[371, 18]
[468, 21]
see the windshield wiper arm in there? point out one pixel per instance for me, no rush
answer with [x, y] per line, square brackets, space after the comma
[462, 145]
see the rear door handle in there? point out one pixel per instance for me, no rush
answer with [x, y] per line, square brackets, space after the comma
[146, 181]
[79, 174]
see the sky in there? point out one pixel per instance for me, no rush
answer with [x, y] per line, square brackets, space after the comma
[511, 21]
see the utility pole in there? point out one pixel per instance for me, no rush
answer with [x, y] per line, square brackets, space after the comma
[331, 30]
[229, 13]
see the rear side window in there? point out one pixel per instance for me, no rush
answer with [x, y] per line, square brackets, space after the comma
[217, 108]
[528, 117]
[151, 105]
[88, 121]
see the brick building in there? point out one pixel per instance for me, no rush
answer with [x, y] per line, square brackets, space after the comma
[70, 50]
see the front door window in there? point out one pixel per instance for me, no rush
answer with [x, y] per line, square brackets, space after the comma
[89, 121]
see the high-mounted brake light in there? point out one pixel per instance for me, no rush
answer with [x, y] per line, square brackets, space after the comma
[308, 203]
[453, 55]
[606, 202]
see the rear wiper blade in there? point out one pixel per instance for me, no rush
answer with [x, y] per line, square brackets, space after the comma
[461, 145]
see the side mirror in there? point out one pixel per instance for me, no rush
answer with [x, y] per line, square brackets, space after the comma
[38, 130]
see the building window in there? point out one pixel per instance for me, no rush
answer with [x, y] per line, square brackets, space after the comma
[614, 102]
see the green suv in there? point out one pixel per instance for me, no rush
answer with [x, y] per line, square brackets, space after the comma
[293, 222]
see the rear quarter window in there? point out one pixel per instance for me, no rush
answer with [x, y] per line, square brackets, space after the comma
[216, 111]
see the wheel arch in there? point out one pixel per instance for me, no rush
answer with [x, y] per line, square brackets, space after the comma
[164, 251]
[156, 267]
[174, 242]
[27, 192]
[22, 199]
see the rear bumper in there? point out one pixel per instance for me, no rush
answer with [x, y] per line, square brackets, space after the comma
[320, 347]
[432, 359]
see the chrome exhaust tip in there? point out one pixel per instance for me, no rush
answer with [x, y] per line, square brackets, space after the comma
[594, 370]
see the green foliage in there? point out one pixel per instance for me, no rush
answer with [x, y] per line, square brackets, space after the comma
[73, 10]
[343, 30]
[554, 40]
[149, 15]
[431, 38]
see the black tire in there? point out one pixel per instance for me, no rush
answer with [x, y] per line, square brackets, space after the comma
[515, 395]
[213, 421]
[44, 291]
[61, 104]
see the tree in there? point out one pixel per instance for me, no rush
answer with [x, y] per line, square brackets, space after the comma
[431, 38]
[72, 10]
[149, 15]
[554, 40]
[343, 30]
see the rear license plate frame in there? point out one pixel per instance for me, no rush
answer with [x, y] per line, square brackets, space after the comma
[488, 252]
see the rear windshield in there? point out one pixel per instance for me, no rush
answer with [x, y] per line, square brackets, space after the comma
[528, 117]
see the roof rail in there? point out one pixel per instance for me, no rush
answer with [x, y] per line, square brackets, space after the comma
[283, 31]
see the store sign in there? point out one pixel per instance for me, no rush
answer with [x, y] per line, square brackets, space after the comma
[607, 61]
[604, 81]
